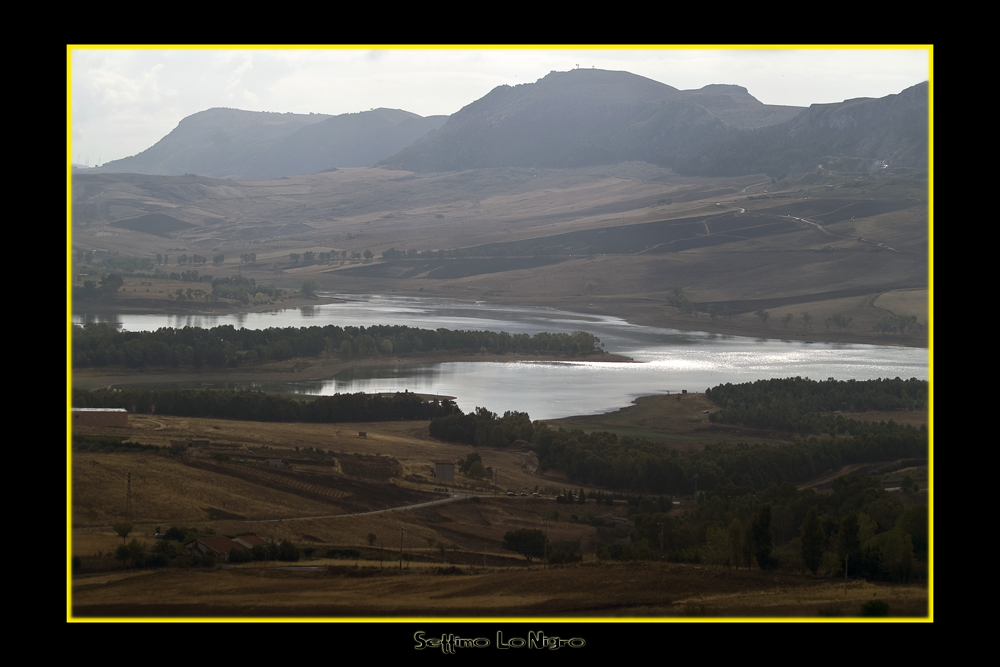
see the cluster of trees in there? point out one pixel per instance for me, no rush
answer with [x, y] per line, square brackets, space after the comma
[161, 260]
[473, 465]
[170, 549]
[392, 253]
[715, 310]
[838, 320]
[193, 259]
[797, 404]
[529, 542]
[880, 535]
[680, 300]
[225, 346]
[483, 428]
[125, 264]
[105, 291]
[258, 406]
[894, 323]
[283, 551]
[310, 256]
[243, 289]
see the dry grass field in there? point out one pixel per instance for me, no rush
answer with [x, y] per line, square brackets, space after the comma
[331, 496]
[589, 590]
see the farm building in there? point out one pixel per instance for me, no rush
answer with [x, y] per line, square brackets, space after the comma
[250, 541]
[221, 546]
[100, 417]
[444, 470]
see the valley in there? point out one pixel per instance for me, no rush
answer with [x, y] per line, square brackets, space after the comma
[661, 272]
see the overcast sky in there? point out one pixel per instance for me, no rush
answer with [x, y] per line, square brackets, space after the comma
[123, 100]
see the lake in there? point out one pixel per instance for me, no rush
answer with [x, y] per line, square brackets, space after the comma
[667, 360]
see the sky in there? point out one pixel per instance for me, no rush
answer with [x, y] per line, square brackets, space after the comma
[123, 100]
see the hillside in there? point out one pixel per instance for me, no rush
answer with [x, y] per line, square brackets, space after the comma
[861, 135]
[585, 117]
[230, 143]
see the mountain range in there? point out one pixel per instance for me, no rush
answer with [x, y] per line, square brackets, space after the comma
[566, 119]
[257, 145]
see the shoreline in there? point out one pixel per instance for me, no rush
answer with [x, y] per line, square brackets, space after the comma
[641, 317]
[305, 368]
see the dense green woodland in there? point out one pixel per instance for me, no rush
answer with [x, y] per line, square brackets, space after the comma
[797, 404]
[258, 406]
[228, 347]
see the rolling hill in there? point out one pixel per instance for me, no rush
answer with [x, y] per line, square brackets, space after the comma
[253, 145]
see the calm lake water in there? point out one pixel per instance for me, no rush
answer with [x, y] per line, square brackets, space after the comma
[667, 360]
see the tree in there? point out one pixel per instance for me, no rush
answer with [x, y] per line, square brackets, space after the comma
[122, 529]
[133, 550]
[368, 255]
[112, 283]
[288, 551]
[736, 543]
[371, 539]
[529, 542]
[466, 465]
[309, 287]
[848, 540]
[762, 315]
[787, 320]
[762, 537]
[807, 320]
[813, 540]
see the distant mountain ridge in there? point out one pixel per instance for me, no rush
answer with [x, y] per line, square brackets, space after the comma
[866, 132]
[231, 143]
[585, 117]
[568, 119]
